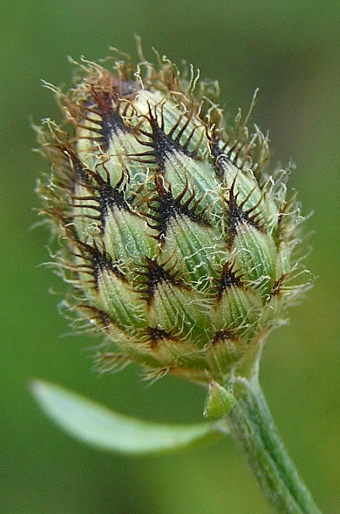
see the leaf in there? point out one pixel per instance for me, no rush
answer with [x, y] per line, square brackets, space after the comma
[98, 426]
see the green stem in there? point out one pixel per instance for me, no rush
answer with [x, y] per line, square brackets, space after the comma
[253, 429]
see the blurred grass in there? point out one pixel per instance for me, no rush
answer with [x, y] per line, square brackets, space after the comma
[291, 51]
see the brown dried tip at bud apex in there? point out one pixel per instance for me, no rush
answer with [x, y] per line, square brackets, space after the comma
[177, 245]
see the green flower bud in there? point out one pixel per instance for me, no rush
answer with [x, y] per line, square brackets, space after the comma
[219, 401]
[176, 243]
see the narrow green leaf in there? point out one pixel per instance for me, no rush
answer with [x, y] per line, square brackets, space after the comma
[98, 426]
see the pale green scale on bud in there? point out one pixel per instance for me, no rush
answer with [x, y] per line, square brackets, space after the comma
[178, 246]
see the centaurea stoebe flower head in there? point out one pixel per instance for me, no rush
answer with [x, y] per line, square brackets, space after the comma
[178, 246]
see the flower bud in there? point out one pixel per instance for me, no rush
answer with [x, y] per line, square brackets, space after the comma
[219, 401]
[176, 243]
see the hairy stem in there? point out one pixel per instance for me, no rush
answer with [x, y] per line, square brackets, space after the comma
[253, 430]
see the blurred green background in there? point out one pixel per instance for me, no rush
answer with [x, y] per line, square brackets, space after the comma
[290, 49]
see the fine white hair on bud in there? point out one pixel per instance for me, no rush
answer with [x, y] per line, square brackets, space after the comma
[177, 245]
